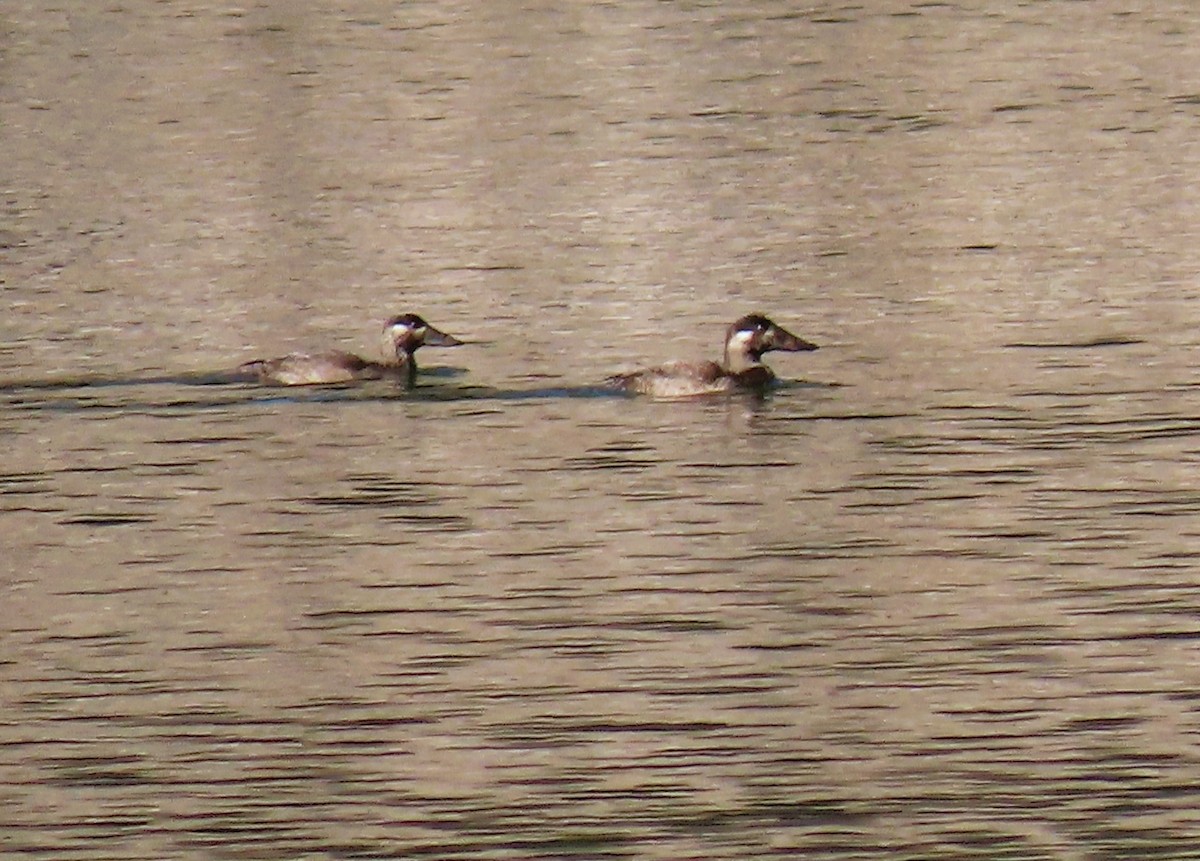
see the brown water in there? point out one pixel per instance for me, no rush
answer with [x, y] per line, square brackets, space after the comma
[937, 598]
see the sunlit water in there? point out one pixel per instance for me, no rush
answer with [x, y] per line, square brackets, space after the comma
[935, 597]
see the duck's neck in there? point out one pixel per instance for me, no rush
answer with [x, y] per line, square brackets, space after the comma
[406, 367]
[399, 359]
[737, 361]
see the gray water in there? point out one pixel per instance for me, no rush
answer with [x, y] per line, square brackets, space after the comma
[936, 597]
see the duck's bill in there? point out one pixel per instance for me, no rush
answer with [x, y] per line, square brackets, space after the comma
[437, 338]
[782, 339]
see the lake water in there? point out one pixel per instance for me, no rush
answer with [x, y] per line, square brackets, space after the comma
[936, 597]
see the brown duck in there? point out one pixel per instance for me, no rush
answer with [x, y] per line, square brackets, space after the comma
[402, 337]
[746, 340]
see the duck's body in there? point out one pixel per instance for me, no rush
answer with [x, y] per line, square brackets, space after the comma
[402, 337]
[305, 369]
[742, 370]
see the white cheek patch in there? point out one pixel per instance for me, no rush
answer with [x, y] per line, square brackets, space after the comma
[741, 340]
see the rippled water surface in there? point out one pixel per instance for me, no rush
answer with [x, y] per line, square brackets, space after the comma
[935, 597]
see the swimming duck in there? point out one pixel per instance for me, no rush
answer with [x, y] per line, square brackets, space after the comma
[402, 337]
[742, 370]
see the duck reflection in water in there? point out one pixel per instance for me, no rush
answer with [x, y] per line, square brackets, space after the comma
[402, 337]
[746, 340]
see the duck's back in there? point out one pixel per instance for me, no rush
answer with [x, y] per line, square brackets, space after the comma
[304, 369]
[675, 380]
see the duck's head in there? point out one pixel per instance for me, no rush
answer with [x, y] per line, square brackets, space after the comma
[751, 336]
[405, 333]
